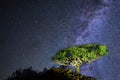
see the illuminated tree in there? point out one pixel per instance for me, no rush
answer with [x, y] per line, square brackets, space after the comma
[76, 55]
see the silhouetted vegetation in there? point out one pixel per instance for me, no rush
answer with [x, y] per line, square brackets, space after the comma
[61, 73]
[25, 74]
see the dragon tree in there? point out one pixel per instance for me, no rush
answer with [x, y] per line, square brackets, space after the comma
[78, 54]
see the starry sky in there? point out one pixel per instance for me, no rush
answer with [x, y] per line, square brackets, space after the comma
[32, 31]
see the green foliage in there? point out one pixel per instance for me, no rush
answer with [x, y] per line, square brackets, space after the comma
[103, 50]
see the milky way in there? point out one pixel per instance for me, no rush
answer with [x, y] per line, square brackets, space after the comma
[32, 31]
[95, 20]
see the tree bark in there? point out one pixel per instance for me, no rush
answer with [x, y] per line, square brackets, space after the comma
[77, 69]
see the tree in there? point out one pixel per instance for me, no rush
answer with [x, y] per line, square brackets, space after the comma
[78, 54]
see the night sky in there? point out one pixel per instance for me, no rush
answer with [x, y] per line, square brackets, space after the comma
[32, 31]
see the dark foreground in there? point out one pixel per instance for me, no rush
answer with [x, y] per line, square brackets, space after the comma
[52, 74]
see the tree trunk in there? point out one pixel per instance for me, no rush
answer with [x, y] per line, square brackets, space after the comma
[77, 69]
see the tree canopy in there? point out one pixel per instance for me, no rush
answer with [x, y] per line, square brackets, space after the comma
[76, 55]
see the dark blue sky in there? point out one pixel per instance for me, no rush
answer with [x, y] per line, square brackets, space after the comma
[32, 31]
